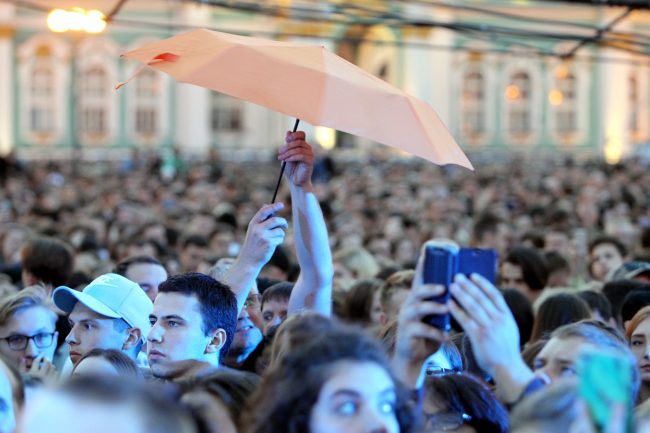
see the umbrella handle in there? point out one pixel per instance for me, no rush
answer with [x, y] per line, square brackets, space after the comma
[284, 164]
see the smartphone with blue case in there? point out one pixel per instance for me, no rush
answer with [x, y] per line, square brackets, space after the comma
[482, 261]
[440, 267]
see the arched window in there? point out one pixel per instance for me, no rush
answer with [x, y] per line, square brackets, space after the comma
[563, 99]
[92, 98]
[472, 104]
[41, 96]
[634, 104]
[147, 107]
[518, 98]
[226, 113]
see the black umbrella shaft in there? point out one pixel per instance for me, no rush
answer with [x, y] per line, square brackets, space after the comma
[284, 164]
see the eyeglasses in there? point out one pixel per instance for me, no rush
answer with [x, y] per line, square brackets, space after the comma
[19, 342]
[252, 299]
[434, 370]
[450, 421]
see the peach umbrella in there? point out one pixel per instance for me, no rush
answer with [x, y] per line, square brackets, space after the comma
[306, 82]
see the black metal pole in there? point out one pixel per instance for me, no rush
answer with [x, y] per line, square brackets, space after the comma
[284, 164]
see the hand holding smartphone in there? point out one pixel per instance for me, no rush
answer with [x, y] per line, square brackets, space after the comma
[443, 260]
[440, 267]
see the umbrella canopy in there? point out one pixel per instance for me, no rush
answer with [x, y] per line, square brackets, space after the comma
[306, 82]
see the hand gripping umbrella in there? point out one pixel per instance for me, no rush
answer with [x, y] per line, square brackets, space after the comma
[305, 82]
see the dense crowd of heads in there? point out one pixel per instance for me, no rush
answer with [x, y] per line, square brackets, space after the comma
[137, 296]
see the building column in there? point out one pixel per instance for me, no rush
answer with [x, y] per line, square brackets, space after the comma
[613, 135]
[7, 137]
[192, 102]
[613, 109]
[427, 71]
[192, 118]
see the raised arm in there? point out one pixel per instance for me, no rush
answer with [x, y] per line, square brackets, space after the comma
[265, 232]
[482, 312]
[313, 290]
[416, 340]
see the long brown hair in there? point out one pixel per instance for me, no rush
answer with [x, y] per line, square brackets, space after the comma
[294, 383]
[558, 310]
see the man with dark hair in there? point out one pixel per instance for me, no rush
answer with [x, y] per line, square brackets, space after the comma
[147, 271]
[46, 261]
[194, 250]
[192, 324]
[606, 255]
[490, 231]
[524, 269]
[275, 305]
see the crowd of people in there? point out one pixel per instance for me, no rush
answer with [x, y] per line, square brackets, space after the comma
[152, 295]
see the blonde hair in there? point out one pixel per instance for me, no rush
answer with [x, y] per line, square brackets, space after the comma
[358, 260]
[33, 296]
[398, 280]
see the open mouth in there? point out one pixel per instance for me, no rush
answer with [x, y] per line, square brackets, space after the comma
[245, 328]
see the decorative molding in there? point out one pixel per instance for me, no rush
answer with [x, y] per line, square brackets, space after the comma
[416, 32]
[7, 31]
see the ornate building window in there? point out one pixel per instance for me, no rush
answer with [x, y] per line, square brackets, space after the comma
[42, 95]
[226, 113]
[518, 98]
[147, 102]
[41, 99]
[91, 98]
[472, 105]
[563, 100]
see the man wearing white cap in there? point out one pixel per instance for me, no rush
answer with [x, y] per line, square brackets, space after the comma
[112, 312]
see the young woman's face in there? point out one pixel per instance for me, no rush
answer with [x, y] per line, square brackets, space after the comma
[640, 345]
[358, 397]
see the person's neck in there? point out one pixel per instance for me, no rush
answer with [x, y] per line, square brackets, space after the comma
[235, 361]
[644, 393]
[238, 357]
[190, 368]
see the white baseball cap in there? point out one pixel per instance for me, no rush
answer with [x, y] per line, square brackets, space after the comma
[110, 295]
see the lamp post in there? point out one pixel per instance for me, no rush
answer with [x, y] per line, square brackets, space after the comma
[75, 21]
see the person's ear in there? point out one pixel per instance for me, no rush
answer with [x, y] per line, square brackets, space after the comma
[132, 340]
[217, 342]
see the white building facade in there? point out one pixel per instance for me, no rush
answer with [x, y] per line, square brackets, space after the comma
[58, 92]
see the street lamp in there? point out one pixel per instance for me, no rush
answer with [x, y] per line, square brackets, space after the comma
[75, 21]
